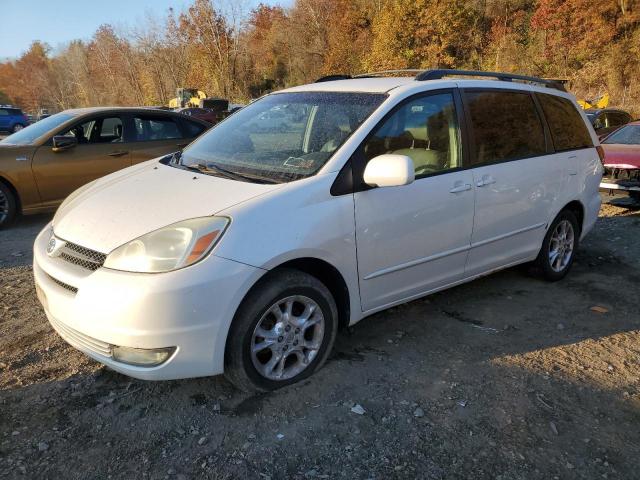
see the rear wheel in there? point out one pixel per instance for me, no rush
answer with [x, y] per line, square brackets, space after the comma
[17, 127]
[559, 247]
[8, 205]
[283, 332]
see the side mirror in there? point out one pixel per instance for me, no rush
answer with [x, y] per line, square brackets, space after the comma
[62, 142]
[389, 170]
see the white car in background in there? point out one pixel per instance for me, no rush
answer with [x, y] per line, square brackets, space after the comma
[244, 253]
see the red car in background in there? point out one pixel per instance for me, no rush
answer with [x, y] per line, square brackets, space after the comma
[622, 149]
[622, 159]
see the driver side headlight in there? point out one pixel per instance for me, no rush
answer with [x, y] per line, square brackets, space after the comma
[169, 248]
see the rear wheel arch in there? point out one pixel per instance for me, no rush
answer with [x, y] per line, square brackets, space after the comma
[577, 209]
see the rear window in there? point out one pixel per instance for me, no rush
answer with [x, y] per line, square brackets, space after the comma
[568, 130]
[506, 126]
[618, 118]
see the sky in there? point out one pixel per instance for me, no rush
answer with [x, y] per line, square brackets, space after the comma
[57, 22]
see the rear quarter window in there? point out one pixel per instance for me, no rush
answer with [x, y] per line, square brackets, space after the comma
[568, 130]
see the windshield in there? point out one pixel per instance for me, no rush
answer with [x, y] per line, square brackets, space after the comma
[28, 135]
[281, 137]
[627, 135]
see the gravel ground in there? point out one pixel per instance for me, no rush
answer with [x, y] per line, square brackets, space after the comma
[507, 377]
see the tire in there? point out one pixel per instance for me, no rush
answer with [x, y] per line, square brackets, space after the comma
[8, 206]
[299, 353]
[17, 127]
[554, 268]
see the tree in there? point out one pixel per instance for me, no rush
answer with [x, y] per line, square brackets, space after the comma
[425, 34]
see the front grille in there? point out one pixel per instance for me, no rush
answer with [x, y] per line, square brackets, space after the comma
[81, 256]
[66, 286]
[80, 340]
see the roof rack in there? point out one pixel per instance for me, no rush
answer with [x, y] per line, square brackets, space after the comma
[505, 77]
[330, 78]
[424, 75]
[382, 73]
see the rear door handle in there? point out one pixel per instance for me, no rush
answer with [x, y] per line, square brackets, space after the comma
[485, 180]
[572, 168]
[182, 145]
[117, 154]
[460, 188]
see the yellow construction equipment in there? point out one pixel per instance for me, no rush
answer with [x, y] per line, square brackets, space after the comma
[600, 102]
[187, 97]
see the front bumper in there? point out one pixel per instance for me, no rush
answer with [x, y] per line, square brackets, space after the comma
[190, 309]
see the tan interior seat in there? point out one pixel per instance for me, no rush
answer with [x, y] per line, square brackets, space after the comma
[423, 158]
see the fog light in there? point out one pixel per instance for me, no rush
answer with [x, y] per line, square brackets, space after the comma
[142, 357]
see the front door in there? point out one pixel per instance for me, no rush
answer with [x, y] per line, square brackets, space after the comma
[100, 151]
[517, 177]
[415, 238]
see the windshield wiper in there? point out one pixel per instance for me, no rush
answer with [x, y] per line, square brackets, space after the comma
[212, 167]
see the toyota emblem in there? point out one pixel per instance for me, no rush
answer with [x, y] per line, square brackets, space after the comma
[54, 246]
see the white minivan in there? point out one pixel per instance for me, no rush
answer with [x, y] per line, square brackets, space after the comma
[244, 253]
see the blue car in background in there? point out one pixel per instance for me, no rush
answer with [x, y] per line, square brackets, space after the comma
[12, 119]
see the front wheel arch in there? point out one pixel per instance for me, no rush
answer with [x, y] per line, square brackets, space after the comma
[238, 360]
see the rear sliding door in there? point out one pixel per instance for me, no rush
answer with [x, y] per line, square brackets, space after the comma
[517, 177]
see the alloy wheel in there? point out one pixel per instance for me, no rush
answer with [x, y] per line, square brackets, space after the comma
[4, 207]
[287, 337]
[561, 246]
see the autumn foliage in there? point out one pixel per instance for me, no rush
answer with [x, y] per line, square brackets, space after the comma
[222, 50]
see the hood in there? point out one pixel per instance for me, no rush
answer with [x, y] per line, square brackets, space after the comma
[621, 156]
[132, 202]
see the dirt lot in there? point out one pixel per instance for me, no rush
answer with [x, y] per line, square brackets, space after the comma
[504, 378]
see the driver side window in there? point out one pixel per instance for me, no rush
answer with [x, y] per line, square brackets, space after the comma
[100, 130]
[424, 129]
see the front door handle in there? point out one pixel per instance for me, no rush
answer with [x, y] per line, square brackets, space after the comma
[117, 154]
[460, 187]
[182, 145]
[485, 180]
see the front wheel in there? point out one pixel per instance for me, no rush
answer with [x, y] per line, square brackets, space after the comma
[283, 331]
[559, 247]
[17, 127]
[8, 206]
